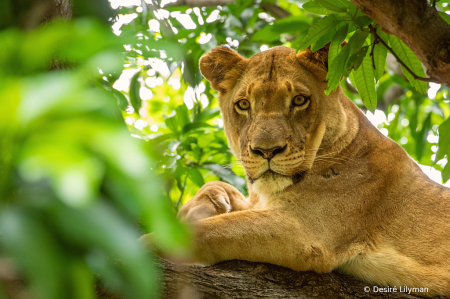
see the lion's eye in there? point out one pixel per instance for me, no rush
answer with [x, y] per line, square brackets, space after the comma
[243, 104]
[299, 100]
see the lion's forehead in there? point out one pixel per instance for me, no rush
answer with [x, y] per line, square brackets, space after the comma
[273, 63]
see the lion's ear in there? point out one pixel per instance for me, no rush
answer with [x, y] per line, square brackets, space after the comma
[222, 67]
[315, 62]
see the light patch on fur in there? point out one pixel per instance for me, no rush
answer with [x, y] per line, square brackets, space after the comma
[222, 205]
[271, 183]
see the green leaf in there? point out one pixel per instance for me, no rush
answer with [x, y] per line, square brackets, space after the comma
[207, 114]
[379, 55]
[291, 25]
[332, 5]
[228, 176]
[421, 139]
[410, 59]
[357, 40]
[336, 42]
[445, 16]
[172, 123]
[444, 140]
[196, 125]
[135, 98]
[357, 58]
[183, 115]
[362, 21]
[323, 40]
[319, 29]
[338, 66]
[121, 99]
[336, 69]
[315, 8]
[196, 176]
[446, 173]
[365, 84]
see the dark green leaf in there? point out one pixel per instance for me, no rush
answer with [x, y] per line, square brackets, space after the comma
[121, 99]
[323, 40]
[444, 140]
[379, 55]
[228, 176]
[357, 58]
[421, 139]
[196, 176]
[319, 29]
[135, 98]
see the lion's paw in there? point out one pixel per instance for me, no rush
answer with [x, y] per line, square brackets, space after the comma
[211, 200]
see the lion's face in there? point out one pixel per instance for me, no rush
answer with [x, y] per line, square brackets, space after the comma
[270, 107]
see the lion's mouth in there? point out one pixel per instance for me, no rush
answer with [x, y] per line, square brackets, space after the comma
[296, 178]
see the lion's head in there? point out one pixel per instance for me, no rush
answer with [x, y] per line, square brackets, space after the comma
[276, 114]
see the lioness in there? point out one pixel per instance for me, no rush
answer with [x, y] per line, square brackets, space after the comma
[327, 190]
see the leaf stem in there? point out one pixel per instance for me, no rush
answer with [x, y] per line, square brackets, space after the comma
[182, 192]
[379, 39]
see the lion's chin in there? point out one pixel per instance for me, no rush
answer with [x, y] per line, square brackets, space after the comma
[271, 183]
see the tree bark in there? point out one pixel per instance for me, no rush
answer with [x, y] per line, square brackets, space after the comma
[419, 26]
[241, 279]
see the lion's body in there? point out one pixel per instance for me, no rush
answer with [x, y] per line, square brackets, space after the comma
[339, 195]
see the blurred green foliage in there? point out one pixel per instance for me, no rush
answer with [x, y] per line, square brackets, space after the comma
[77, 190]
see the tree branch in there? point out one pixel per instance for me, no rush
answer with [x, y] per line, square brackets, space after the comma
[241, 279]
[270, 8]
[199, 3]
[274, 10]
[419, 26]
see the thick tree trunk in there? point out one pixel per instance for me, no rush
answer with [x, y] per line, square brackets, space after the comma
[241, 279]
[419, 26]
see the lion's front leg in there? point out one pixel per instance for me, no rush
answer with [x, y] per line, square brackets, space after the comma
[259, 236]
[214, 198]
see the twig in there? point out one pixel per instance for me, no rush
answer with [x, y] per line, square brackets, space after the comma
[182, 192]
[375, 41]
[374, 32]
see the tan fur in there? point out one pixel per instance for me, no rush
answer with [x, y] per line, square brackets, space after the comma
[363, 206]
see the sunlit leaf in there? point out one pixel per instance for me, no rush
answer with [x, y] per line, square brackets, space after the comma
[446, 173]
[332, 5]
[365, 83]
[337, 68]
[315, 8]
[410, 59]
[336, 43]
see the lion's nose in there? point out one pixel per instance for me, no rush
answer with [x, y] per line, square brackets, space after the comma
[268, 153]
